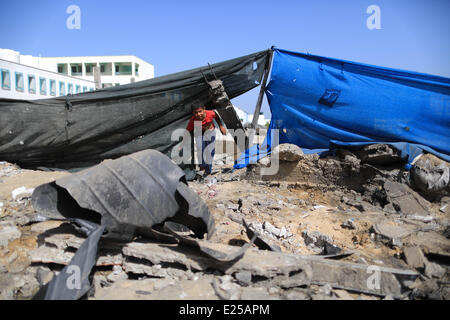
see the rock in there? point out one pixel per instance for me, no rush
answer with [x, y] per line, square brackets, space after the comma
[287, 152]
[387, 230]
[117, 274]
[433, 270]
[44, 226]
[243, 277]
[44, 275]
[44, 254]
[269, 228]
[342, 294]
[21, 193]
[445, 208]
[389, 208]
[143, 267]
[8, 232]
[316, 238]
[255, 293]
[396, 242]
[379, 154]
[414, 257]
[349, 224]
[430, 174]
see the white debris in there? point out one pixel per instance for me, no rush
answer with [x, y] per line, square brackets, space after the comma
[8, 232]
[22, 192]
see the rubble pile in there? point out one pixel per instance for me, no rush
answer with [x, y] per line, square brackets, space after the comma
[352, 225]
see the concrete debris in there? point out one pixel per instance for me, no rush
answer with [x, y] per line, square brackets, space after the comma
[338, 227]
[405, 200]
[8, 232]
[22, 192]
[287, 152]
[430, 174]
[117, 274]
[378, 154]
[349, 224]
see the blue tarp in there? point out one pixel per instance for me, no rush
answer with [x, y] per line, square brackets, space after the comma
[319, 102]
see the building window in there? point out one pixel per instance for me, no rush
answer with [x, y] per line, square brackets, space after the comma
[136, 69]
[62, 68]
[52, 87]
[77, 88]
[91, 89]
[117, 84]
[31, 84]
[62, 88]
[84, 89]
[19, 81]
[102, 68]
[6, 79]
[90, 68]
[43, 86]
[70, 88]
[76, 69]
[123, 68]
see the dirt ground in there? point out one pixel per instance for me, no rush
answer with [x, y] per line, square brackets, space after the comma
[294, 210]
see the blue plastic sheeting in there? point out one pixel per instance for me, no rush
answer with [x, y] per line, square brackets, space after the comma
[316, 100]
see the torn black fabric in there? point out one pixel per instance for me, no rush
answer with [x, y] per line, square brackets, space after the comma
[81, 130]
[73, 281]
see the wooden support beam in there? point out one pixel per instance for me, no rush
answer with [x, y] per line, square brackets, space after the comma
[261, 91]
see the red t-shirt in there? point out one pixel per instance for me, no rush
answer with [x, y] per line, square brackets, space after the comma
[206, 123]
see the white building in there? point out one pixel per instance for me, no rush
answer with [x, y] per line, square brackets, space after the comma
[22, 81]
[247, 118]
[114, 70]
[29, 77]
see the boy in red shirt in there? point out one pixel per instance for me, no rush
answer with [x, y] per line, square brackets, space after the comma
[207, 138]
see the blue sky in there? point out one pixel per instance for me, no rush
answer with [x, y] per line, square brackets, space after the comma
[179, 35]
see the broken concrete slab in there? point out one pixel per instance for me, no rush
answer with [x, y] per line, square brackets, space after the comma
[157, 270]
[414, 257]
[388, 230]
[405, 200]
[48, 255]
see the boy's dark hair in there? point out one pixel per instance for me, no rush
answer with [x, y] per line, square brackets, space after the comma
[196, 106]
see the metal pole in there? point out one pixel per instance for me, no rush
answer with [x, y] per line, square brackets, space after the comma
[261, 91]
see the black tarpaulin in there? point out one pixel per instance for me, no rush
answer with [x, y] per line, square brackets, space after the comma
[83, 129]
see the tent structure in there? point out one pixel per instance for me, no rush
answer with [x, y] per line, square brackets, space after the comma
[83, 129]
[321, 103]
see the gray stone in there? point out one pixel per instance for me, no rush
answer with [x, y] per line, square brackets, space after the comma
[405, 200]
[44, 275]
[388, 230]
[287, 152]
[117, 274]
[430, 174]
[349, 224]
[243, 277]
[434, 270]
[414, 257]
[379, 154]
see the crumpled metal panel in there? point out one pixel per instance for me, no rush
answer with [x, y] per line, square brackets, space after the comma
[124, 197]
[135, 191]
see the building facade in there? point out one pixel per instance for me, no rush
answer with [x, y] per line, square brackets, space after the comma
[29, 77]
[114, 70]
[20, 81]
